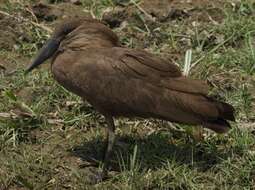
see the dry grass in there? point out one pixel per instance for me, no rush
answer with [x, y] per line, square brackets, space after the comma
[46, 133]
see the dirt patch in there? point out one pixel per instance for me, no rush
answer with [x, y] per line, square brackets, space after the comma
[9, 62]
[203, 10]
[115, 17]
[45, 12]
[48, 12]
[11, 32]
[169, 10]
[76, 2]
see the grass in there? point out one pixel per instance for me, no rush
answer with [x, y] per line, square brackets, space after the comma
[47, 133]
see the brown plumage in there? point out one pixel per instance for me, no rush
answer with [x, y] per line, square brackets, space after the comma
[89, 61]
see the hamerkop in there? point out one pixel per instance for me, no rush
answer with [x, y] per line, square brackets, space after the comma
[89, 61]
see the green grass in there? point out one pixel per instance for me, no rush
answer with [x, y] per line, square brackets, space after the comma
[47, 133]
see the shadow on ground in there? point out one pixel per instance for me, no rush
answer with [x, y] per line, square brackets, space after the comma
[153, 152]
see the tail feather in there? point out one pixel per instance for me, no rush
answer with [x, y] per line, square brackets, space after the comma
[226, 112]
[219, 125]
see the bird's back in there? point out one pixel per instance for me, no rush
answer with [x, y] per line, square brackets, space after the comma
[124, 82]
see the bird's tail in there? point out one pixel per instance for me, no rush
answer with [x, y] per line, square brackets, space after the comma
[226, 112]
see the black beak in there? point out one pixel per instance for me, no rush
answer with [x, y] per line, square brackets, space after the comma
[45, 53]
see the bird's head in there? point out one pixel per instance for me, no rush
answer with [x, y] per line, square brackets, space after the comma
[52, 45]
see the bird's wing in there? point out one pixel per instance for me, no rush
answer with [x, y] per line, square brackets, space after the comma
[152, 69]
[142, 64]
[106, 77]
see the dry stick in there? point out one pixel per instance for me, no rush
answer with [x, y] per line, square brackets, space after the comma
[26, 20]
[143, 11]
[29, 9]
[213, 50]
[186, 69]
[7, 116]
[32, 13]
[12, 115]
[91, 10]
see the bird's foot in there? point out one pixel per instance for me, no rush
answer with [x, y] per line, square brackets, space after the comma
[97, 176]
[198, 134]
[86, 165]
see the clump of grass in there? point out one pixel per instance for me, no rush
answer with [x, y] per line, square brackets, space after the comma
[150, 156]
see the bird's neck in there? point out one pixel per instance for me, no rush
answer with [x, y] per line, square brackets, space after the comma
[96, 36]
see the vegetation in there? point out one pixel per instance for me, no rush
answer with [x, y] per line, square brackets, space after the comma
[50, 139]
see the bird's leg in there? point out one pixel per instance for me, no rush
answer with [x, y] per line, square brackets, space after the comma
[110, 142]
[197, 133]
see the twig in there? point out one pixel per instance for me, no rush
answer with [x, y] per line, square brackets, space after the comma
[143, 11]
[91, 10]
[8, 115]
[187, 64]
[32, 13]
[92, 14]
[26, 20]
[55, 121]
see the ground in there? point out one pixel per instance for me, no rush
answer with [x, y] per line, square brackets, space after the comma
[50, 139]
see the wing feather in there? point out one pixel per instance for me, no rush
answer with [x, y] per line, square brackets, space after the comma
[155, 70]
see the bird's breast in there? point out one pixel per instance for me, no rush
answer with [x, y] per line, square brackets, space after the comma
[69, 75]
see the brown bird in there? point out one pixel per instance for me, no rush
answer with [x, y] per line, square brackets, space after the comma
[89, 61]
